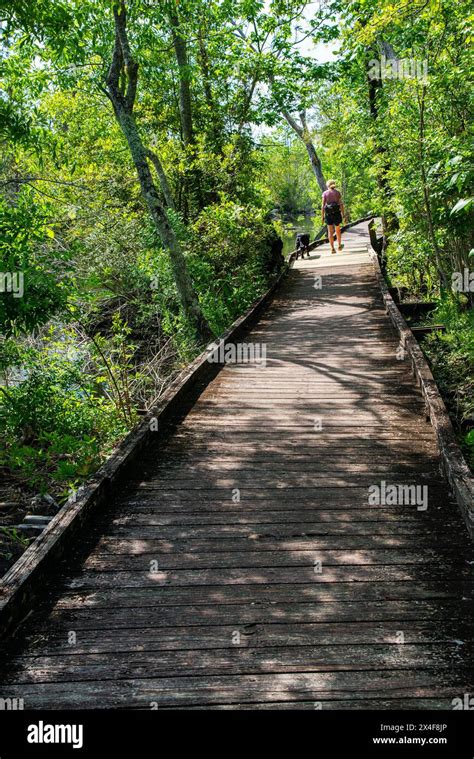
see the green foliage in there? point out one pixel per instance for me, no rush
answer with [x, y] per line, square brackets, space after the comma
[288, 178]
[56, 424]
[39, 285]
[233, 257]
[13, 535]
[347, 149]
[451, 355]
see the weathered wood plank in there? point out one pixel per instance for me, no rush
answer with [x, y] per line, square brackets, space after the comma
[266, 576]
[234, 659]
[268, 634]
[256, 517]
[258, 599]
[279, 532]
[263, 688]
[293, 483]
[444, 619]
[138, 560]
[109, 544]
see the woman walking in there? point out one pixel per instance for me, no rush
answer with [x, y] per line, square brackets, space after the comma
[332, 212]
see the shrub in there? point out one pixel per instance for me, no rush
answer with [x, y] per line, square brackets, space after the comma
[234, 254]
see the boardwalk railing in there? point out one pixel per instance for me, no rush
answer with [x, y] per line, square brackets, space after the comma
[453, 463]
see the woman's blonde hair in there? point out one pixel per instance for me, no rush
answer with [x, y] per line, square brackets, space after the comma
[330, 183]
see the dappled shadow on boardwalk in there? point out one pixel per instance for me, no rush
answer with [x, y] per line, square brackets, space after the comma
[244, 565]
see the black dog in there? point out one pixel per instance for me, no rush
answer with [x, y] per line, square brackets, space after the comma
[302, 245]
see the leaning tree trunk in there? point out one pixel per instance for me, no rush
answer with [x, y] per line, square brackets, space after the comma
[123, 99]
[162, 178]
[316, 165]
[303, 133]
[305, 136]
[314, 160]
[181, 276]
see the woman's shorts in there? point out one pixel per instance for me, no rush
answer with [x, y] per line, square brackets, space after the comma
[333, 216]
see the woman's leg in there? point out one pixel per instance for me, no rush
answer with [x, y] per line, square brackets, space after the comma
[338, 235]
[331, 235]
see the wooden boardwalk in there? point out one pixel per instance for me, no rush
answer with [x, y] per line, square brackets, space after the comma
[244, 567]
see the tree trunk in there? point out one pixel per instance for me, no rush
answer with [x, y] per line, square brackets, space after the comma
[216, 130]
[122, 95]
[304, 135]
[192, 176]
[181, 276]
[185, 107]
[316, 165]
[160, 172]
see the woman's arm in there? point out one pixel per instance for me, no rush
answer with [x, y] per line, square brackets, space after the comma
[322, 210]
